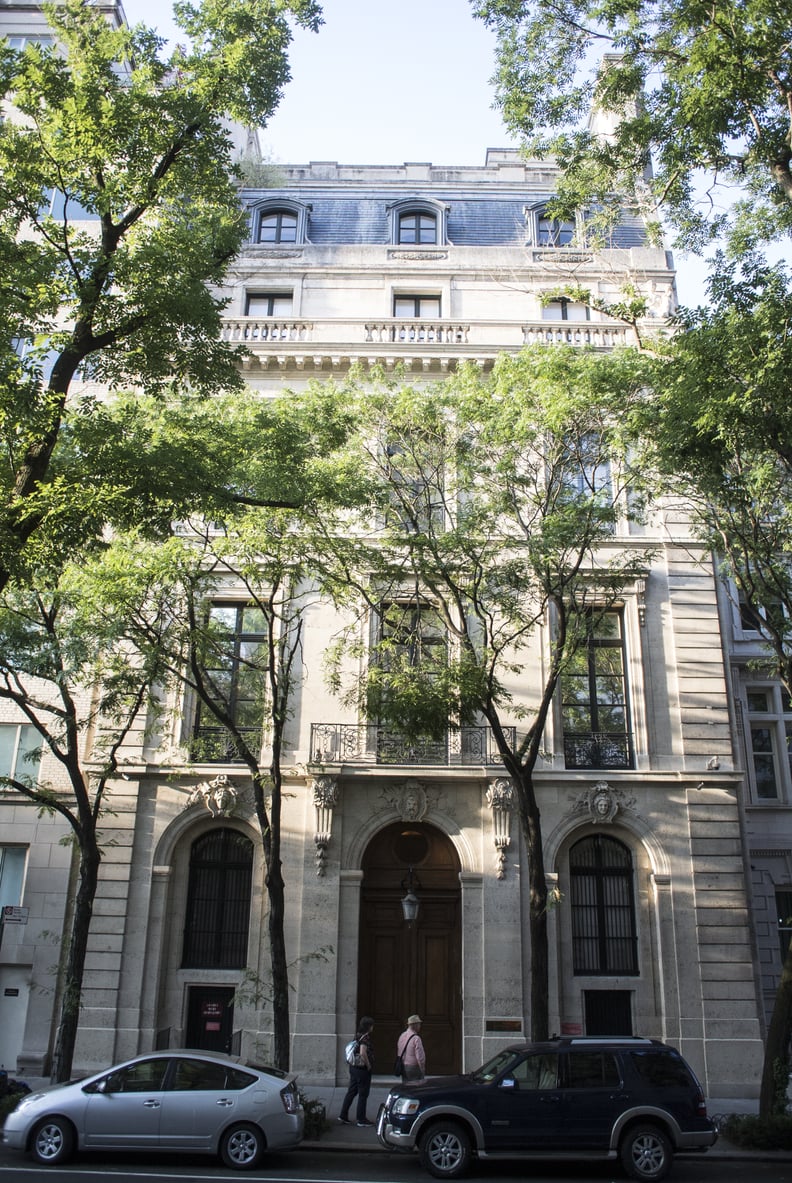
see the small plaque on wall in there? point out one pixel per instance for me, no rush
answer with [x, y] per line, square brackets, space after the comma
[503, 1025]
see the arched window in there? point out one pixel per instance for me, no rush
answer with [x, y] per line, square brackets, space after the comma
[543, 229]
[217, 920]
[602, 895]
[418, 222]
[280, 222]
[278, 225]
[415, 227]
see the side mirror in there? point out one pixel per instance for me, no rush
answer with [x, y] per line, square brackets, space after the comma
[508, 1082]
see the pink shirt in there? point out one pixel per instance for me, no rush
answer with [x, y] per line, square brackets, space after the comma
[411, 1049]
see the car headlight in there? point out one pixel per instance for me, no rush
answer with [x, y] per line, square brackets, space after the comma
[404, 1106]
[26, 1101]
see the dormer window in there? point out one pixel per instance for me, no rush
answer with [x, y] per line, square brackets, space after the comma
[418, 222]
[542, 229]
[555, 231]
[280, 223]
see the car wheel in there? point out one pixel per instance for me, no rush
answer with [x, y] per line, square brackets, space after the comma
[646, 1152]
[445, 1150]
[242, 1147]
[52, 1141]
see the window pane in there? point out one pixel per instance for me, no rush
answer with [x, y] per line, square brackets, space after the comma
[784, 911]
[764, 762]
[278, 226]
[8, 746]
[12, 874]
[274, 304]
[417, 228]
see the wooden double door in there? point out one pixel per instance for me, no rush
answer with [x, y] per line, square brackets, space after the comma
[415, 968]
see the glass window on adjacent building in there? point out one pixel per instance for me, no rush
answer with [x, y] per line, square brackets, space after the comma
[602, 902]
[233, 671]
[594, 707]
[784, 912]
[12, 875]
[769, 741]
[20, 42]
[20, 751]
[756, 616]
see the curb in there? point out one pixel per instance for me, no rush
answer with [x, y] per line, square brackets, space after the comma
[722, 1151]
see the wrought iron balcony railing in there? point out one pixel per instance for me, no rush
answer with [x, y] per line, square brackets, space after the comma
[368, 743]
[597, 749]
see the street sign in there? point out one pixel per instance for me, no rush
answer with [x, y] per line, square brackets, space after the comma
[14, 915]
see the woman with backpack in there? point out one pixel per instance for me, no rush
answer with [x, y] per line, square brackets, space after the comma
[360, 1073]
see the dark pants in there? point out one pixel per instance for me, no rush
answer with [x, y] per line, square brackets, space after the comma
[360, 1087]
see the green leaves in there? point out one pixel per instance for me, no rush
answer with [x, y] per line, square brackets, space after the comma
[721, 427]
[691, 91]
[119, 215]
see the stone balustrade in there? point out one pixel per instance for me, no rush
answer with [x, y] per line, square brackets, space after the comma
[397, 331]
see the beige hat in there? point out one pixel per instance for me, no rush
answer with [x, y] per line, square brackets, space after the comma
[414, 1019]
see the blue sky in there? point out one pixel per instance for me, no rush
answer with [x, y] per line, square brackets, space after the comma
[383, 83]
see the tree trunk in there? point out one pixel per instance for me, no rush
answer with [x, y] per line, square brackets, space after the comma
[280, 972]
[537, 915]
[776, 1059]
[90, 858]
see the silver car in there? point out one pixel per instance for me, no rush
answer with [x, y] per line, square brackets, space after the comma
[175, 1100]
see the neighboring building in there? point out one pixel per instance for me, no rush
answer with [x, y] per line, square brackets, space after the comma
[763, 737]
[422, 267]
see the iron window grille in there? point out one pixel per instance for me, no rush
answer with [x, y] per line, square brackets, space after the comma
[217, 917]
[604, 936]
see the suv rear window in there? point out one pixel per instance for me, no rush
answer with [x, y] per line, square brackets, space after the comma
[661, 1069]
[587, 1070]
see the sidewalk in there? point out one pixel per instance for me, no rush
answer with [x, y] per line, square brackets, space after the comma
[349, 1137]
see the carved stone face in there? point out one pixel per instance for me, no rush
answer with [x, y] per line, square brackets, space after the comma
[602, 804]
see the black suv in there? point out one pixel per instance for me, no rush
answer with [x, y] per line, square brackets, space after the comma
[629, 1098]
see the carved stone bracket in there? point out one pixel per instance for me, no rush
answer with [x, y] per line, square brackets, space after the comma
[325, 799]
[500, 798]
[602, 802]
[218, 795]
[640, 595]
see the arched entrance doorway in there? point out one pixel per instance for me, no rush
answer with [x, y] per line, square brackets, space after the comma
[405, 968]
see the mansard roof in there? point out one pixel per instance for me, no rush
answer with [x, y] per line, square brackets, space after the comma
[486, 206]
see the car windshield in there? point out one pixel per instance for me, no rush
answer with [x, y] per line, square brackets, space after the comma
[493, 1067]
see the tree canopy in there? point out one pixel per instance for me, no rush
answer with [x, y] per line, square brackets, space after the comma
[689, 96]
[119, 213]
[720, 426]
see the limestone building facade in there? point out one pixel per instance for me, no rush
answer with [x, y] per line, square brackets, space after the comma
[420, 266]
